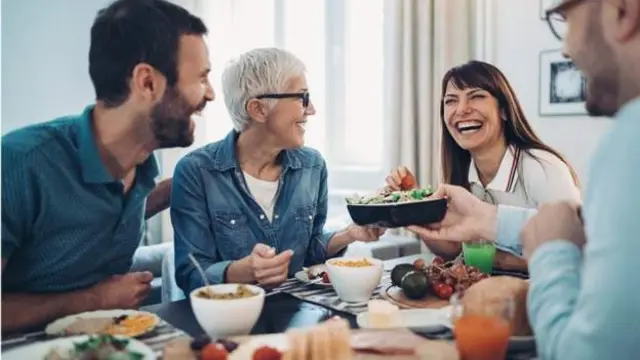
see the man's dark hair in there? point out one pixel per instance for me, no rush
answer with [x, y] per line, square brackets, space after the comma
[130, 32]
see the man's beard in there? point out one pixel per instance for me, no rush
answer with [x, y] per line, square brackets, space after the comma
[171, 120]
[601, 70]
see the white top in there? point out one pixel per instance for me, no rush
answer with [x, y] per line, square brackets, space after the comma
[526, 181]
[264, 192]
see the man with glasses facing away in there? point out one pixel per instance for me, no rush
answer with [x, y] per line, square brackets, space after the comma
[251, 208]
[583, 301]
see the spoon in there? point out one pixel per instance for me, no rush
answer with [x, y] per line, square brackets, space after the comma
[202, 274]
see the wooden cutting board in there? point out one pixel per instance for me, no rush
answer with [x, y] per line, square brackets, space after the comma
[394, 295]
[179, 348]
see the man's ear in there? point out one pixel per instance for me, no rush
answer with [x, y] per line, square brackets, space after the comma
[628, 19]
[147, 83]
[257, 110]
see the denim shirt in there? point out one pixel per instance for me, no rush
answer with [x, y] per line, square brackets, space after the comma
[216, 218]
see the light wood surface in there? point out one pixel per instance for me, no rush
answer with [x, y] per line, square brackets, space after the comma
[394, 295]
[427, 350]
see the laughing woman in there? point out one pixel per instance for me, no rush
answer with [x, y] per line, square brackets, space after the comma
[251, 208]
[489, 148]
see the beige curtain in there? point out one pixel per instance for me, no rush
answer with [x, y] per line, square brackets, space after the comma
[424, 39]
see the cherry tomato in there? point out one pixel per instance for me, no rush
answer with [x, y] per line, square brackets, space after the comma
[419, 264]
[408, 182]
[325, 278]
[444, 291]
[267, 353]
[214, 351]
[437, 260]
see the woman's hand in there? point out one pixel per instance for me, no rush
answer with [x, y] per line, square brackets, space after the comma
[401, 179]
[262, 266]
[267, 268]
[364, 233]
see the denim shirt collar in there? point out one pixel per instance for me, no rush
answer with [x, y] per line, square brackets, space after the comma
[226, 158]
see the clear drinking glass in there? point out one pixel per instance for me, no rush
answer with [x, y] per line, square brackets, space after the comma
[482, 325]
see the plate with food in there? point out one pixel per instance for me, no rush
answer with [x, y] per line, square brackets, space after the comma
[396, 208]
[132, 323]
[83, 347]
[316, 275]
[431, 284]
[382, 314]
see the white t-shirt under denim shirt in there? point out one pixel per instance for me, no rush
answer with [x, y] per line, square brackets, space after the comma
[526, 181]
[264, 192]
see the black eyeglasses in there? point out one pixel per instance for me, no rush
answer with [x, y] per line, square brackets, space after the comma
[557, 15]
[301, 95]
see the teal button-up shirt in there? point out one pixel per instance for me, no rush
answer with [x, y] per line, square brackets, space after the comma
[586, 305]
[66, 223]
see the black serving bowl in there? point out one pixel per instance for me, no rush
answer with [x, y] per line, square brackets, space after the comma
[394, 215]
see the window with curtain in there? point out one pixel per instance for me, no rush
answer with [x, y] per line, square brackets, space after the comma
[342, 47]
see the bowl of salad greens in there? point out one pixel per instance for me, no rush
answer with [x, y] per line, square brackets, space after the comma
[396, 208]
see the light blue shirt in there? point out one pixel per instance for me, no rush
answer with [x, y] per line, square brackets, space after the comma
[587, 306]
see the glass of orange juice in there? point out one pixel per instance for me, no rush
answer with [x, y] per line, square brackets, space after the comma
[482, 328]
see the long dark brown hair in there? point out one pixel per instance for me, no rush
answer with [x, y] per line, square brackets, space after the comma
[517, 131]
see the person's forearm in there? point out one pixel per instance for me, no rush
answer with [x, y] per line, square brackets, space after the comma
[239, 271]
[338, 242]
[488, 222]
[159, 198]
[24, 311]
[506, 223]
[448, 250]
[507, 261]
[553, 295]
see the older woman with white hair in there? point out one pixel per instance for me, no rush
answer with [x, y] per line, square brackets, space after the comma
[252, 207]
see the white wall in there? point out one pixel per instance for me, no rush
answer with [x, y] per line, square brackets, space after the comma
[45, 62]
[45, 67]
[515, 36]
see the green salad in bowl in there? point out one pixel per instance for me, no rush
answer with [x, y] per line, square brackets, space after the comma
[388, 196]
[397, 208]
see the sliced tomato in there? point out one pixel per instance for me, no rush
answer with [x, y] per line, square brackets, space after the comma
[325, 278]
[214, 351]
[444, 291]
[267, 353]
[408, 182]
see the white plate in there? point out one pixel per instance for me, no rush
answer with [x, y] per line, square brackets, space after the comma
[420, 320]
[41, 349]
[304, 277]
[57, 327]
[516, 343]
[245, 350]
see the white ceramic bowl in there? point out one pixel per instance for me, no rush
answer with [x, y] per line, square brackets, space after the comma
[354, 284]
[227, 317]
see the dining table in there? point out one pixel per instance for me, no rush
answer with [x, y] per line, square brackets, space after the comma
[281, 312]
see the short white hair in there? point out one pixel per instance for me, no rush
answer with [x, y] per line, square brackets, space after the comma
[257, 72]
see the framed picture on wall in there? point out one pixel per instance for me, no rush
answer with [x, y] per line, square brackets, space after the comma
[563, 88]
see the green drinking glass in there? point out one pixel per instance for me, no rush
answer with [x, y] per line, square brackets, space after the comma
[479, 255]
